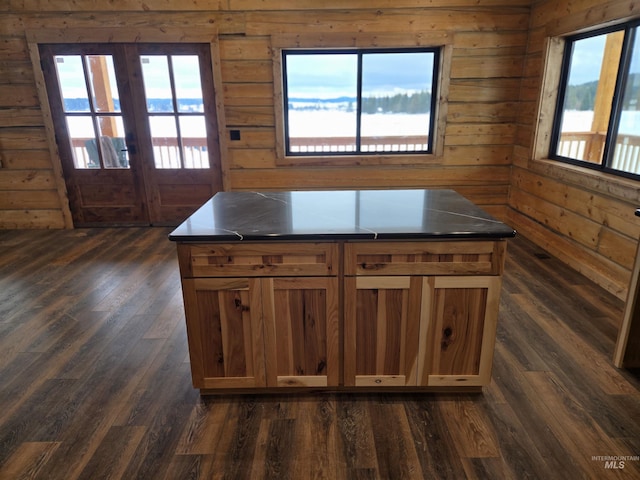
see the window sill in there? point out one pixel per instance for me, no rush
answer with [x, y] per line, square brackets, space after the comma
[358, 160]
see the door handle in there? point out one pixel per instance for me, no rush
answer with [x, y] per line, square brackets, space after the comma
[130, 139]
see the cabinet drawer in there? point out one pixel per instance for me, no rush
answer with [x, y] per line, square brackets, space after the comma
[258, 259]
[425, 258]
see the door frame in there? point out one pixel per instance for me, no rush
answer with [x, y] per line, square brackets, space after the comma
[119, 35]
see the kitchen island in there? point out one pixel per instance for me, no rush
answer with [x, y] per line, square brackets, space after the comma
[359, 289]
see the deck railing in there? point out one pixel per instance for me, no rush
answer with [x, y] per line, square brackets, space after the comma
[588, 146]
[406, 143]
[165, 152]
[579, 145]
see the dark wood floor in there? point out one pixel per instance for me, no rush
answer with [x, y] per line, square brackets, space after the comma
[95, 384]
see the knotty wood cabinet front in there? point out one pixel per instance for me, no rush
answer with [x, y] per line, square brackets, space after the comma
[382, 326]
[412, 314]
[267, 328]
[458, 332]
[419, 331]
[224, 329]
[300, 316]
[407, 324]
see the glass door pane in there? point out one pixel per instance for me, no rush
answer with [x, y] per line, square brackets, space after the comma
[175, 110]
[91, 104]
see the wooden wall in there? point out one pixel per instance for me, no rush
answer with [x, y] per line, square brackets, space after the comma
[581, 216]
[487, 45]
[497, 65]
[30, 195]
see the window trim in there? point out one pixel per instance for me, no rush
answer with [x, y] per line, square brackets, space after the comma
[360, 54]
[442, 40]
[615, 113]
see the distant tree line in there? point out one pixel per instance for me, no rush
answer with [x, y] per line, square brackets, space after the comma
[582, 97]
[399, 103]
[156, 104]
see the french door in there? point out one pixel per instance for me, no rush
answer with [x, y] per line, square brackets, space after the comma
[136, 130]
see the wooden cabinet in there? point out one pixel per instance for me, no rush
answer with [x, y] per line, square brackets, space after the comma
[408, 324]
[224, 328]
[267, 328]
[459, 330]
[382, 327]
[300, 316]
[407, 314]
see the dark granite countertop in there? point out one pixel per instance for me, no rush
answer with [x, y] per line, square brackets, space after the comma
[339, 214]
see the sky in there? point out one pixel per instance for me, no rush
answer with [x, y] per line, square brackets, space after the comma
[155, 74]
[334, 75]
[586, 60]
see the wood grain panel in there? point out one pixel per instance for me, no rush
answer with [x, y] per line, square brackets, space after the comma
[14, 49]
[460, 316]
[32, 218]
[501, 112]
[336, 4]
[40, 199]
[252, 158]
[16, 73]
[249, 116]
[257, 94]
[610, 276]
[21, 117]
[589, 13]
[145, 26]
[123, 5]
[475, 134]
[243, 48]
[611, 212]
[19, 95]
[420, 258]
[302, 316]
[26, 180]
[367, 178]
[485, 90]
[250, 138]
[476, 43]
[25, 159]
[557, 218]
[31, 138]
[382, 318]
[496, 66]
[461, 331]
[397, 21]
[226, 351]
[281, 259]
[241, 71]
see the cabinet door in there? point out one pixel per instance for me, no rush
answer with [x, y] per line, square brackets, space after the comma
[225, 332]
[382, 325]
[301, 331]
[460, 332]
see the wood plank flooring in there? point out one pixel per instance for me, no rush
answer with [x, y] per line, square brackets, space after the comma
[95, 383]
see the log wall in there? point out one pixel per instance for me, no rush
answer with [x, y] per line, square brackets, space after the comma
[487, 46]
[496, 70]
[584, 217]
